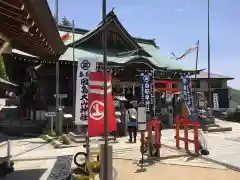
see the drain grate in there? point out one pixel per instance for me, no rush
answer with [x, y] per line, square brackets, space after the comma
[61, 169]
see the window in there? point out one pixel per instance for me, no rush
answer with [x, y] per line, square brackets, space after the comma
[215, 83]
[160, 85]
[174, 85]
[197, 84]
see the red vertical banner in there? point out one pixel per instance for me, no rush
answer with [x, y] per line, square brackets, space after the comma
[96, 105]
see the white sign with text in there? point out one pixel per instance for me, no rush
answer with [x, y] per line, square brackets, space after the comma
[85, 66]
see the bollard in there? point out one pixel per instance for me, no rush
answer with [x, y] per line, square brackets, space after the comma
[109, 163]
[60, 121]
[8, 154]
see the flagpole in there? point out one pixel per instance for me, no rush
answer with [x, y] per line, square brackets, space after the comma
[195, 79]
[209, 62]
[58, 128]
[73, 68]
[104, 43]
[154, 94]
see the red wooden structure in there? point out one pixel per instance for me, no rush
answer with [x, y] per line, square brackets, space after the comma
[168, 86]
[186, 122]
[154, 123]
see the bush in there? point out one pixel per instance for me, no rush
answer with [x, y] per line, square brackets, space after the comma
[46, 138]
[234, 116]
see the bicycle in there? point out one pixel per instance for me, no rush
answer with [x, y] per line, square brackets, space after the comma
[87, 169]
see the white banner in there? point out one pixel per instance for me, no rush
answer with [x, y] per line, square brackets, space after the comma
[85, 66]
[215, 101]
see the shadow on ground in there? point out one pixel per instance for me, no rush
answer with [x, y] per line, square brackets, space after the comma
[31, 174]
[226, 165]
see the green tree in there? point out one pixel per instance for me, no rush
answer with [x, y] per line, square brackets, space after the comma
[2, 68]
[65, 22]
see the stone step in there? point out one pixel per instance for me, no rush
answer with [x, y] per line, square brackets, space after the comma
[80, 138]
[212, 125]
[77, 138]
[219, 129]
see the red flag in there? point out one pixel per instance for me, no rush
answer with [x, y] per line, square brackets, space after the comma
[96, 105]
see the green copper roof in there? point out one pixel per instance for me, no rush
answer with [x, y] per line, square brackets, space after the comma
[147, 45]
[162, 60]
[81, 53]
[143, 51]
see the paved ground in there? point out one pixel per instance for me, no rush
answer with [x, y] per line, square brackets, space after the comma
[128, 170]
[224, 147]
[35, 158]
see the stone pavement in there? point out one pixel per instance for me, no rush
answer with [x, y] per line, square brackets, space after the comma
[224, 147]
[36, 158]
[128, 170]
[131, 151]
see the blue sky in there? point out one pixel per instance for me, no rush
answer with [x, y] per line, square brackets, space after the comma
[175, 24]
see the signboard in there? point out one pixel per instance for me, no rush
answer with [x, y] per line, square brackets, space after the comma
[85, 66]
[50, 114]
[146, 89]
[142, 119]
[215, 101]
[187, 93]
[61, 96]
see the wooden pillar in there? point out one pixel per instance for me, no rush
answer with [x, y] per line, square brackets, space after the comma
[177, 130]
[196, 142]
[185, 123]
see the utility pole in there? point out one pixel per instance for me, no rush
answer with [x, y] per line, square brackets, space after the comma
[57, 80]
[195, 79]
[74, 78]
[209, 62]
[104, 44]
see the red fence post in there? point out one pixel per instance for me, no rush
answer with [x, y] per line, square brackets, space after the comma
[156, 124]
[177, 130]
[196, 142]
[185, 123]
[149, 125]
[186, 134]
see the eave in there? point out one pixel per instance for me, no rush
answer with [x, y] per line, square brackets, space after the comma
[30, 27]
[111, 17]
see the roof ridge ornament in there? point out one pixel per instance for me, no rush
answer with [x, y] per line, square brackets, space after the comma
[112, 11]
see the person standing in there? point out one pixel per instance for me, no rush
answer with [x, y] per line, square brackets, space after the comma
[131, 116]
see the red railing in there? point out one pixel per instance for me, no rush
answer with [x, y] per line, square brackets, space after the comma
[168, 85]
[186, 123]
[155, 123]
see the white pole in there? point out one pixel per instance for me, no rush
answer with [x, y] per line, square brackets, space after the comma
[8, 153]
[51, 125]
[133, 89]
[154, 96]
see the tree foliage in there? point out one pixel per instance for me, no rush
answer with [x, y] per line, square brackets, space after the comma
[236, 96]
[2, 68]
[65, 22]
